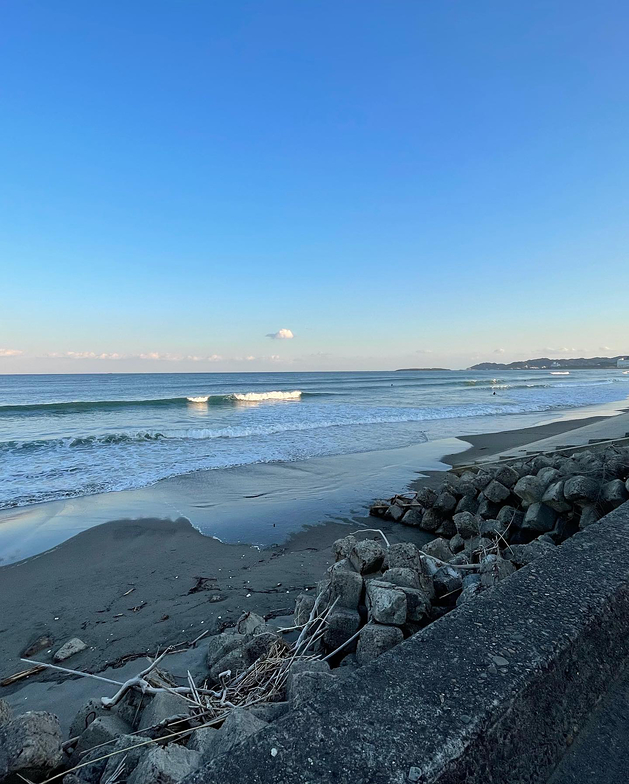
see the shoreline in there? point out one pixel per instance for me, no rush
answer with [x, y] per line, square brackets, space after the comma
[81, 587]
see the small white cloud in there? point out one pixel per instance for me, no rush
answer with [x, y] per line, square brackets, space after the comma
[281, 334]
[604, 348]
[424, 351]
[499, 351]
[10, 352]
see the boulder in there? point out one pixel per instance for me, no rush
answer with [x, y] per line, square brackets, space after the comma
[431, 520]
[367, 556]
[414, 517]
[539, 517]
[222, 644]
[272, 711]
[396, 513]
[496, 492]
[299, 667]
[202, 740]
[529, 489]
[493, 569]
[506, 475]
[466, 524]
[341, 625]
[30, 746]
[374, 640]
[239, 725]
[469, 593]
[426, 497]
[446, 527]
[476, 547]
[438, 548]
[162, 706]
[581, 490]
[403, 555]
[343, 547]
[548, 476]
[417, 604]
[565, 527]
[165, 765]
[249, 623]
[589, 514]
[472, 578]
[6, 714]
[614, 493]
[487, 508]
[510, 517]
[303, 607]
[86, 714]
[446, 581]
[69, 649]
[102, 730]
[457, 543]
[232, 664]
[131, 756]
[468, 503]
[346, 587]
[482, 479]
[493, 529]
[403, 577]
[555, 498]
[445, 503]
[386, 603]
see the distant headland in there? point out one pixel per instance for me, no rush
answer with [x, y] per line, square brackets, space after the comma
[408, 370]
[544, 363]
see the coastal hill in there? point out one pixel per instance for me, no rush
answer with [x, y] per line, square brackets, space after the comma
[544, 363]
[408, 370]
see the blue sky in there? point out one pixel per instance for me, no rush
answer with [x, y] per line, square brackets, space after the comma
[415, 182]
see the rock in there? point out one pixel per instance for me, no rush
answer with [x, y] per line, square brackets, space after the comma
[298, 667]
[438, 548]
[414, 517]
[39, 644]
[446, 527]
[162, 706]
[445, 503]
[343, 547]
[446, 581]
[233, 663]
[249, 623]
[69, 649]
[132, 756]
[468, 503]
[30, 746]
[431, 520]
[554, 497]
[203, 740]
[426, 497]
[303, 607]
[379, 507]
[260, 645]
[529, 489]
[476, 547]
[405, 578]
[565, 527]
[493, 569]
[548, 476]
[460, 560]
[493, 529]
[239, 725]
[273, 710]
[581, 490]
[417, 604]
[506, 475]
[165, 765]
[541, 461]
[614, 493]
[86, 714]
[341, 625]
[396, 513]
[470, 579]
[482, 479]
[219, 645]
[102, 730]
[466, 524]
[589, 515]
[510, 517]
[539, 517]
[487, 508]
[129, 708]
[457, 543]
[523, 554]
[496, 492]
[403, 555]
[386, 603]
[374, 640]
[345, 586]
[6, 714]
[367, 556]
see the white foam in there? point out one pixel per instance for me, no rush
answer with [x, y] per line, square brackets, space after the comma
[200, 399]
[252, 397]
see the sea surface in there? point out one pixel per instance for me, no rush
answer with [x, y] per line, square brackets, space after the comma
[64, 436]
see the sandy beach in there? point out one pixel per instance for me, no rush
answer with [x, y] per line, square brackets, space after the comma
[131, 587]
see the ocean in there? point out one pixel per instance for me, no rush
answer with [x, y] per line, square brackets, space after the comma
[64, 436]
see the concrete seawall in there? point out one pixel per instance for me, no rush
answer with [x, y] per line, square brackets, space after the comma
[493, 692]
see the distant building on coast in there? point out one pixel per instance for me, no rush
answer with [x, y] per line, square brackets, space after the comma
[623, 363]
